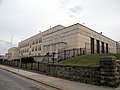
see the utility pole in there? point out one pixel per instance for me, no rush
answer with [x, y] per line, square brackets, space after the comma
[20, 61]
[11, 40]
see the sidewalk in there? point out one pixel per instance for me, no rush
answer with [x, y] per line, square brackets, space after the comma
[58, 83]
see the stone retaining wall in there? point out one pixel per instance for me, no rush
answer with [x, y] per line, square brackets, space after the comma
[76, 73]
[109, 74]
[106, 74]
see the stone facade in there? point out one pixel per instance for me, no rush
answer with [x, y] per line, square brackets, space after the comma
[60, 38]
[109, 74]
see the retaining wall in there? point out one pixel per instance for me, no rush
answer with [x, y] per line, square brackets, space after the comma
[76, 73]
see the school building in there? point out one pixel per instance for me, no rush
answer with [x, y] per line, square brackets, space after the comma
[60, 38]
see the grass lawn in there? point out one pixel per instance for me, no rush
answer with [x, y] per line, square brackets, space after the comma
[87, 60]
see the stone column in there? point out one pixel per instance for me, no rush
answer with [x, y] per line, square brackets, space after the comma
[108, 71]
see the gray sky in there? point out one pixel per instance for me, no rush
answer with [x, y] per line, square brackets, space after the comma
[24, 18]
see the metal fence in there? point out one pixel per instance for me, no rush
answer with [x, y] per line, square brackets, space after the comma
[56, 57]
[70, 53]
[66, 54]
[118, 65]
[36, 66]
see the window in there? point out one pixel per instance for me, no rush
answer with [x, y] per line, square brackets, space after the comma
[30, 45]
[36, 48]
[33, 43]
[23, 50]
[54, 48]
[40, 40]
[20, 51]
[30, 53]
[39, 48]
[38, 54]
[32, 49]
[36, 41]
[27, 49]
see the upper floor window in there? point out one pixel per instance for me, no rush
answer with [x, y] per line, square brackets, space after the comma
[33, 43]
[39, 48]
[32, 49]
[27, 49]
[36, 48]
[30, 45]
[40, 40]
[36, 41]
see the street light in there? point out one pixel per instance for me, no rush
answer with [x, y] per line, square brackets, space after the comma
[20, 61]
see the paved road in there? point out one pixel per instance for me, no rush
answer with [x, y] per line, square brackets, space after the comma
[10, 81]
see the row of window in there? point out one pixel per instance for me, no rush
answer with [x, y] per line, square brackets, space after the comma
[33, 42]
[25, 50]
[24, 45]
[36, 48]
[37, 41]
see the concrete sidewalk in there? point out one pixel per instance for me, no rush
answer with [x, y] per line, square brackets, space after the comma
[57, 83]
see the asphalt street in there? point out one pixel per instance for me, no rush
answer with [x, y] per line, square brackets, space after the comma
[10, 81]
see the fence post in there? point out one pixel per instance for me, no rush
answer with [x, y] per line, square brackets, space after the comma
[108, 71]
[25, 65]
[53, 57]
[80, 51]
[31, 65]
[73, 52]
[47, 69]
[77, 51]
[21, 65]
[17, 63]
[7, 63]
[38, 66]
[13, 63]
[48, 56]
[64, 54]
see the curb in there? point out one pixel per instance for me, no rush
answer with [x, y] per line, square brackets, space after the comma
[42, 82]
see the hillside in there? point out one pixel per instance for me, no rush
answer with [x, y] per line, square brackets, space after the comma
[87, 60]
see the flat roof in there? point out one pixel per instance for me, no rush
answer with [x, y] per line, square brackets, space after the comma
[65, 28]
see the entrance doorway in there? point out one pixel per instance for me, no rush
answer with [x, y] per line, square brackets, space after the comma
[98, 46]
[106, 47]
[103, 47]
[92, 45]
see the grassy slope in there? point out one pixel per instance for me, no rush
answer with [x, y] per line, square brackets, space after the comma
[87, 60]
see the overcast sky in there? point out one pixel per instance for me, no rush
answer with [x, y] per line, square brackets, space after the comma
[24, 18]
